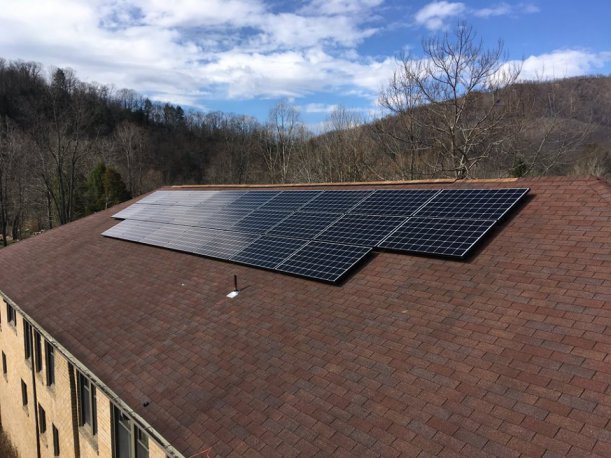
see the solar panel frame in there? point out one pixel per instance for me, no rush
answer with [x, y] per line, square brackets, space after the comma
[362, 230]
[483, 204]
[302, 225]
[341, 201]
[290, 201]
[323, 261]
[395, 202]
[268, 252]
[436, 236]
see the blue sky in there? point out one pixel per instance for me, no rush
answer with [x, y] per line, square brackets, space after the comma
[242, 56]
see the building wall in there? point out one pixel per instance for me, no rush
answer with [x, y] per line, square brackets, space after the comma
[19, 421]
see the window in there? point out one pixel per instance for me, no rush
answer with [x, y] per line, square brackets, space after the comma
[55, 441]
[37, 351]
[27, 339]
[87, 403]
[42, 420]
[11, 315]
[50, 363]
[129, 440]
[24, 393]
[4, 369]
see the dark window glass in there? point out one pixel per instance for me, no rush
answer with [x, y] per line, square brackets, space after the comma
[87, 403]
[142, 443]
[122, 434]
[27, 339]
[11, 315]
[24, 393]
[42, 420]
[55, 441]
[4, 369]
[50, 360]
[37, 351]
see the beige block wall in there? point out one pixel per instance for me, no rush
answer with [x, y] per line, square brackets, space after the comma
[19, 421]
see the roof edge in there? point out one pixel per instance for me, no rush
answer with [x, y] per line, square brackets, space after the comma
[153, 433]
[347, 183]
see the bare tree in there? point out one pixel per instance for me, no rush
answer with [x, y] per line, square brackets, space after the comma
[130, 141]
[284, 130]
[447, 104]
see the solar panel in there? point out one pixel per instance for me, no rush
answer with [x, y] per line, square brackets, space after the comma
[394, 202]
[445, 237]
[224, 244]
[268, 252]
[316, 234]
[335, 201]
[290, 200]
[324, 261]
[253, 199]
[472, 203]
[303, 225]
[131, 230]
[360, 229]
[260, 221]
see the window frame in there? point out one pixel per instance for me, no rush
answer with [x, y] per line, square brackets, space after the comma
[11, 315]
[24, 394]
[42, 419]
[50, 363]
[37, 351]
[56, 448]
[27, 340]
[87, 403]
[138, 446]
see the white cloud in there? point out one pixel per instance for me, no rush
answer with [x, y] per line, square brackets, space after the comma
[504, 9]
[433, 15]
[562, 64]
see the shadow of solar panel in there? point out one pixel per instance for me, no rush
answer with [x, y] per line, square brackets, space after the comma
[290, 200]
[259, 221]
[472, 203]
[360, 229]
[324, 261]
[394, 202]
[335, 201]
[253, 199]
[303, 225]
[268, 252]
[443, 237]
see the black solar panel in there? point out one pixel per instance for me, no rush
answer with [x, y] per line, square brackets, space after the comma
[260, 221]
[324, 261]
[303, 225]
[360, 229]
[290, 200]
[444, 237]
[253, 199]
[335, 201]
[472, 203]
[394, 202]
[331, 233]
[268, 252]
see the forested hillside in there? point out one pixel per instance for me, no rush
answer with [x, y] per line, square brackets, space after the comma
[68, 148]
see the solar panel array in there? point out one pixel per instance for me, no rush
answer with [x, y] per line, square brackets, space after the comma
[315, 234]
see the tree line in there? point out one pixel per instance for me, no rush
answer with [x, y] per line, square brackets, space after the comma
[69, 148]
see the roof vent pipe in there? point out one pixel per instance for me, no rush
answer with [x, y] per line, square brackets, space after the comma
[235, 291]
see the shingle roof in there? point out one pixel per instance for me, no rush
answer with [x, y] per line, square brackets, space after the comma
[505, 354]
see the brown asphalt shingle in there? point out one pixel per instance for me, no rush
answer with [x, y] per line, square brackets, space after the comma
[506, 354]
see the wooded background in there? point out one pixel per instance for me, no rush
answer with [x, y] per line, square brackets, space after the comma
[69, 148]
